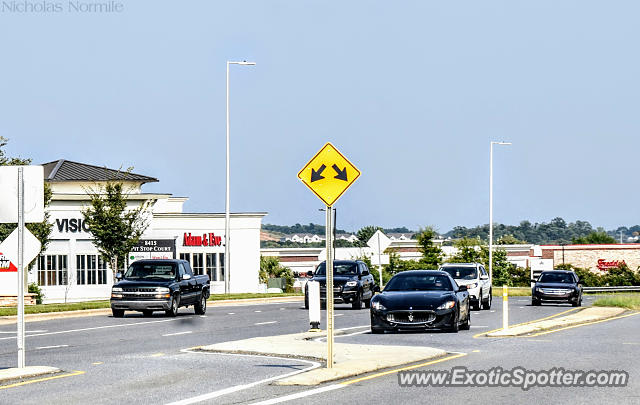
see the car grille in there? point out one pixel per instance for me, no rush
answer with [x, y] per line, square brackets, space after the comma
[555, 291]
[411, 317]
[139, 293]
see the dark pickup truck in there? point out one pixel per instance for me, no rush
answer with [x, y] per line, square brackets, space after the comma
[159, 285]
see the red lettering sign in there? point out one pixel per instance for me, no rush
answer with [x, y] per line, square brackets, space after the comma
[604, 265]
[209, 239]
[6, 265]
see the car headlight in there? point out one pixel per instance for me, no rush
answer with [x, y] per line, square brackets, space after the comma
[162, 290]
[377, 305]
[351, 283]
[447, 305]
[116, 292]
[470, 286]
[537, 289]
[116, 289]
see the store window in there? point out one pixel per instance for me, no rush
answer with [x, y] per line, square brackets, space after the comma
[185, 256]
[198, 264]
[52, 270]
[212, 267]
[91, 269]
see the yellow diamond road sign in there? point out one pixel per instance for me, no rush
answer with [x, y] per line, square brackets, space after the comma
[329, 174]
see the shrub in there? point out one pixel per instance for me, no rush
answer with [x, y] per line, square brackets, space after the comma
[35, 289]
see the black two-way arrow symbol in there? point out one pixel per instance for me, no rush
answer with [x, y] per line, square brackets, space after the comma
[317, 174]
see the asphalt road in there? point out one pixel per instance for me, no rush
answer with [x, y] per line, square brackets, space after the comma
[146, 360]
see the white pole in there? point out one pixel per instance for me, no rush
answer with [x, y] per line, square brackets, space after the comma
[491, 212]
[329, 289]
[227, 237]
[21, 339]
[227, 233]
[380, 261]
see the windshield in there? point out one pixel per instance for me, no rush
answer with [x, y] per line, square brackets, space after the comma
[461, 273]
[339, 269]
[140, 271]
[556, 278]
[419, 282]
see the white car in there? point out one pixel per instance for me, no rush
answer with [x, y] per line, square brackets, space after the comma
[475, 277]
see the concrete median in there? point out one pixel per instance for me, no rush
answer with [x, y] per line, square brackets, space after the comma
[585, 316]
[349, 359]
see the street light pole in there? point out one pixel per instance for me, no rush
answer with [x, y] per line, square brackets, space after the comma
[491, 206]
[227, 236]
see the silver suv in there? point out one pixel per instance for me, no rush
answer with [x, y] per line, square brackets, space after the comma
[475, 277]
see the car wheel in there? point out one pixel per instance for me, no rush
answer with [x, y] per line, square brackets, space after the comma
[201, 307]
[535, 302]
[173, 310]
[147, 313]
[467, 324]
[377, 331]
[487, 303]
[117, 313]
[455, 327]
[357, 304]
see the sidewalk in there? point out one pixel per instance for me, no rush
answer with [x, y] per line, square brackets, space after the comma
[16, 374]
[349, 359]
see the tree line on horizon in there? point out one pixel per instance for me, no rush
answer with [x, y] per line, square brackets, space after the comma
[557, 231]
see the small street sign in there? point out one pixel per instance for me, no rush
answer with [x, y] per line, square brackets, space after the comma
[329, 174]
[379, 242]
[9, 247]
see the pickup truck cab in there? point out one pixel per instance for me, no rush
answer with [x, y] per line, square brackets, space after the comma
[159, 285]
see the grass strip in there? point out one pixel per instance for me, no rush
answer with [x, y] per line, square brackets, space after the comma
[621, 301]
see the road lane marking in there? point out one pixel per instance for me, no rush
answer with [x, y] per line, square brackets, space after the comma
[93, 328]
[41, 380]
[231, 313]
[528, 322]
[51, 347]
[229, 390]
[97, 363]
[345, 384]
[157, 355]
[582, 324]
[265, 323]
[178, 333]
[257, 311]
[475, 351]
[337, 315]
[320, 339]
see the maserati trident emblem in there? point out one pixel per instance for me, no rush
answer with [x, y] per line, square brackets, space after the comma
[410, 316]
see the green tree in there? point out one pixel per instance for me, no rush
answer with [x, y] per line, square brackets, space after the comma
[431, 253]
[468, 251]
[116, 229]
[270, 267]
[509, 240]
[364, 234]
[596, 238]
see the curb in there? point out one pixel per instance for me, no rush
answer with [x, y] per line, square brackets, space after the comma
[16, 374]
[47, 316]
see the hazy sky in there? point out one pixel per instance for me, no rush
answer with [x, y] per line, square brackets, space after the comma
[412, 92]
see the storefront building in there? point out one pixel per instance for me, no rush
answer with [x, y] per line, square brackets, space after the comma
[71, 268]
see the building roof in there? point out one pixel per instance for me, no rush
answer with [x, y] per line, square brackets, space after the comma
[66, 170]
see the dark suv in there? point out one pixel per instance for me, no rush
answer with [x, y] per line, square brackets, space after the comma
[557, 286]
[352, 283]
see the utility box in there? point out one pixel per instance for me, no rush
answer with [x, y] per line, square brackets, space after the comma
[279, 282]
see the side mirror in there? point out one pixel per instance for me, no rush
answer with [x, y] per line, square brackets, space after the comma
[484, 277]
[309, 273]
[186, 276]
[533, 280]
[365, 273]
[118, 276]
[462, 288]
[376, 288]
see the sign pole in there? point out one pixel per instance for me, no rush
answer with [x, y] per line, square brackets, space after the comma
[21, 341]
[380, 261]
[329, 293]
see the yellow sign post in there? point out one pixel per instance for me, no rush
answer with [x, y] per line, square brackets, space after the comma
[329, 174]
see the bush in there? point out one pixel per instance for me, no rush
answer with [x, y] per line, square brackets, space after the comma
[35, 289]
[270, 267]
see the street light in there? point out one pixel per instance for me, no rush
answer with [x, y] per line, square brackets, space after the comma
[227, 235]
[491, 206]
